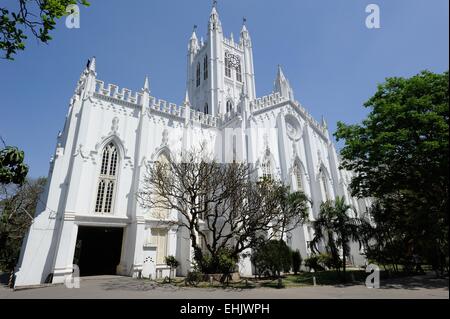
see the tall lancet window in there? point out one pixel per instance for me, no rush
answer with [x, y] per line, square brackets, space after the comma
[324, 185]
[161, 211]
[206, 109]
[198, 74]
[229, 106]
[227, 67]
[266, 167]
[298, 177]
[205, 67]
[107, 180]
[239, 72]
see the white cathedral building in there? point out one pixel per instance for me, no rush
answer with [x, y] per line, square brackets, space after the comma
[89, 214]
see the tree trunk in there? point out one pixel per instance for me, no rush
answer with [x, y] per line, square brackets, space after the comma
[11, 279]
[343, 266]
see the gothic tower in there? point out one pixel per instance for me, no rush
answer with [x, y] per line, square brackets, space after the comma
[219, 69]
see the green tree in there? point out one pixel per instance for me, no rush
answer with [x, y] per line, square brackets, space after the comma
[16, 215]
[337, 229]
[225, 211]
[36, 16]
[172, 262]
[400, 154]
[12, 168]
[313, 263]
[272, 257]
[296, 261]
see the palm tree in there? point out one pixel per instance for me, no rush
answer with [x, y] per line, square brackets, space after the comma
[337, 228]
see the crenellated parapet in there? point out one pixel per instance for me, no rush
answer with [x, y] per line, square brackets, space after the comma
[113, 93]
[264, 103]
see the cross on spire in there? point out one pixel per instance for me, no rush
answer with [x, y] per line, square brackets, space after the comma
[244, 20]
[214, 3]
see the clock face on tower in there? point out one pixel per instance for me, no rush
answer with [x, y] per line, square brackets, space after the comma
[232, 59]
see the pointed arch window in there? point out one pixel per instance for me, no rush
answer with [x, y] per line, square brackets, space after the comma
[161, 211]
[206, 109]
[324, 185]
[107, 180]
[298, 177]
[205, 67]
[229, 106]
[266, 167]
[198, 74]
[227, 67]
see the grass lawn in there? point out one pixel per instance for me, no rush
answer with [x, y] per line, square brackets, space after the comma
[354, 276]
[289, 280]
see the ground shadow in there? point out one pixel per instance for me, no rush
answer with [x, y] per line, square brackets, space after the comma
[428, 281]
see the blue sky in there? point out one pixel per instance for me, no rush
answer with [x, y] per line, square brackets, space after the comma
[332, 60]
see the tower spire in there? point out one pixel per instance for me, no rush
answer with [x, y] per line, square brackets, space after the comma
[214, 21]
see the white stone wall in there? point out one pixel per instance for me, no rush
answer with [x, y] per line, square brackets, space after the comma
[143, 127]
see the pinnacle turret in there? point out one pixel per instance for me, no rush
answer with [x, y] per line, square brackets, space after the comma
[214, 20]
[146, 87]
[91, 64]
[186, 102]
[282, 85]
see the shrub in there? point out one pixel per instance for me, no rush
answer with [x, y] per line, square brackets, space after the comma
[328, 261]
[296, 261]
[323, 261]
[193, 278]
[313, 263]
[222, 263]
[272, 258]
[171, 262]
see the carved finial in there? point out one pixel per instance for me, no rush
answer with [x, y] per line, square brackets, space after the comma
[186, 102]
[324, 123]
[214, 3]
[244, 20]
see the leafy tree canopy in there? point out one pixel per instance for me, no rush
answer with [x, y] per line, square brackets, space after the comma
[400, 157]
[403, 143]
[272, 257]
[12, 168]
[37, 16]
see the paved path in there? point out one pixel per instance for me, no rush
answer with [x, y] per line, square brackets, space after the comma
[125, 287]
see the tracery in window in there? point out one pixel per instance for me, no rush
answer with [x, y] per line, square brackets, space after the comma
[107, 180]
